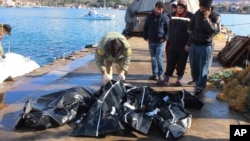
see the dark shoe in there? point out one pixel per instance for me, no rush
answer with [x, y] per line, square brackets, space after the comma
[178, 83]
[153, 77]
[198, 92]
[191, 82]
[162, 83]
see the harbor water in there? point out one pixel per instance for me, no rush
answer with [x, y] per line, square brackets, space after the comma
[45, 34]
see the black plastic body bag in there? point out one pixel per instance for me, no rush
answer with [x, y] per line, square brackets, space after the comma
[103, 117]
[56, 109]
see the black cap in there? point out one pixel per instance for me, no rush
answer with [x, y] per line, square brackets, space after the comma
[7, 27]
[206, 3]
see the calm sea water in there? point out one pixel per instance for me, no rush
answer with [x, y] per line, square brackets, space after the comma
[47, 33]
[239, 24]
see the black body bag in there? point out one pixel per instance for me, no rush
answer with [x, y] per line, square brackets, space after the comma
[103, 116]
[56, 109]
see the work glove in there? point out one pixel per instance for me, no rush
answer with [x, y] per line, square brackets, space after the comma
[107, 77]
[122, 76]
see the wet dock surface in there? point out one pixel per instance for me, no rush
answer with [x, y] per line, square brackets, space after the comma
[212, 122]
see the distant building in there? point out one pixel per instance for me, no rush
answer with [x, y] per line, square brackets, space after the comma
[234, 8]
[8, 3]
[11, 3]
[221, 9]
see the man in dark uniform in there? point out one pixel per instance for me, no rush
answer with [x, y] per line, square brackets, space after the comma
[113, 48]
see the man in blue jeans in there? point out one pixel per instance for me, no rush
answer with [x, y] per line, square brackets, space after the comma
[155, 32]
[203, 27]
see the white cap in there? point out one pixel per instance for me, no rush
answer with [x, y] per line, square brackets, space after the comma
[174, 3]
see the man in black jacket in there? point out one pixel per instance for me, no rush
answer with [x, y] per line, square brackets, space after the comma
[203, 27]
[155, 32]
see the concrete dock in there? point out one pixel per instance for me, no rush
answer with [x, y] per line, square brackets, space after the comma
[211, 123]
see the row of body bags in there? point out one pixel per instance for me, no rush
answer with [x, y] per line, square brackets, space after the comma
[115, 106]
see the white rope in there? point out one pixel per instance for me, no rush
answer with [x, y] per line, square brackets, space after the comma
[100, 108]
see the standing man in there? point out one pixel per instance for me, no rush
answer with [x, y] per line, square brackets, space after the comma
[155, 32]
[4, 30]
[203, 27]
[113, 48]
[178, 37]
[173, 8]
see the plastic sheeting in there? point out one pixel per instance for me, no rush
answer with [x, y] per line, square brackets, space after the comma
[12, 61]
[142, 5]
[166, 110]
[103, 116]
[114, 107]
[135, 22]
[56, 109]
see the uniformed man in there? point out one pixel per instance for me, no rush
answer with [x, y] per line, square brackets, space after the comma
[4, 29]
[113, 48]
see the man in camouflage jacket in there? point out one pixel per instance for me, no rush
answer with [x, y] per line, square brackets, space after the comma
[113, 48]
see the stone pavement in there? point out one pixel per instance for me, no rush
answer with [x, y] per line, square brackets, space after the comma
[212, 122]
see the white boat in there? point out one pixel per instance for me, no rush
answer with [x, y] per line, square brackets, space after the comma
[14, 65]
[93, 15]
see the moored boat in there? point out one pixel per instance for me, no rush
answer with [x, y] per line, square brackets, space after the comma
[93, 15]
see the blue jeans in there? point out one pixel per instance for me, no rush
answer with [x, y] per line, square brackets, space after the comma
[199, 57]
[157, 50]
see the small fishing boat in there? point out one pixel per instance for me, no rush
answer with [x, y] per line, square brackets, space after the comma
[13, 65]
[93, 15]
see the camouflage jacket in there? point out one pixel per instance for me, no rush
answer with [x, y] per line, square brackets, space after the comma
[103, 53]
